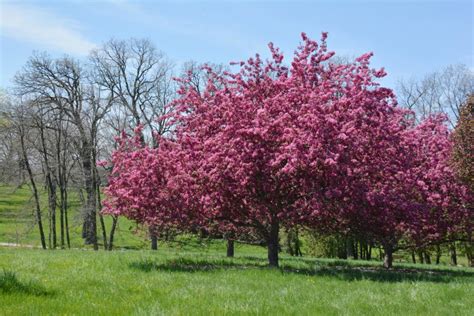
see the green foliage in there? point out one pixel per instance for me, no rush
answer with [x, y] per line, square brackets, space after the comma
[18, 222]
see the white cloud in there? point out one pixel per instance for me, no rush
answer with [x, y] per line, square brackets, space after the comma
[44, 28]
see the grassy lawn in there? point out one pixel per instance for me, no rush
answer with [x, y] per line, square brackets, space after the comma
[17, 221]
[181, 282]
[192, 276]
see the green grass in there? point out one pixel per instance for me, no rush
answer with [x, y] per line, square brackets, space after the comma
[18, 222]
[179, 282]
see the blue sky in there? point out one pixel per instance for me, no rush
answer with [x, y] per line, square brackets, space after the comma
[408, 38]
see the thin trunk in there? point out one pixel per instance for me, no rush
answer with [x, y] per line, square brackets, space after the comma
[427, 257]
[230, 248]
[298, 252]
[60, 168]
[470, 259]
[101, 218]
[438, 254]
[66, 221]
[112, 231]
[469, 248]
[350, 248]
[61, 214]
[420, 256]
[35, 192]
[453, 254]
[90, 220]
[273, 244]
[388, 258]
[51, 185]
[154, 237]
[289, 238]
[413, 257]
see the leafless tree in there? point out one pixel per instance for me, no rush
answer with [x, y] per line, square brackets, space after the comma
[63, 87]
[443, 91]
[141, 79]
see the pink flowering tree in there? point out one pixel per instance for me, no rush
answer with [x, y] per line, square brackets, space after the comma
[406, 191]
[308, 142]
[272, 144]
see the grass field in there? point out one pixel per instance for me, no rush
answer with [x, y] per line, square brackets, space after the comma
[17, 221]
[193, 276]
[169, 282]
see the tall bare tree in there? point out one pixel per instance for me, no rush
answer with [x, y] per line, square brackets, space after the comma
[443, 91]
[64, 87]
[141, 79]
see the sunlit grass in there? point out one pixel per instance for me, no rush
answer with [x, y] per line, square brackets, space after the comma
[177, 282]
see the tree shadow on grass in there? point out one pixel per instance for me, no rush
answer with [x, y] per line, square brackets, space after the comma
[337, 269]
[10, 284]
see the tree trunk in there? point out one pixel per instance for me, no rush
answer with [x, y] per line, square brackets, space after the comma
[272, 243]
[52, 210]
[388, 257]
[350, 248]
[453, 254]
[438, 254]
[413, 257]
[230, 248]
[420, 257]
[427, 257]
[35, 191]
[112, 232]
[66, 220]
[51, 186]
[90, 220]
[470, 259]
[154, 237]
[61, 212]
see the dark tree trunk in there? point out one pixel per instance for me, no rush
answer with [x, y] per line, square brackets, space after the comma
[52, 211]
[154, 237]
[230, 248]
[438, 254]
[273, 244]
[453, 254]
[413, 257]
[420, 257]
[61, 213]
[90, 220]
[350, 248]
[66, 220]
[388, 257]
[35, 191]
[99, 202]
[112, 232]
[470, 259]
[289, 237]
[427, 257]
[298, 252]
[51, 186]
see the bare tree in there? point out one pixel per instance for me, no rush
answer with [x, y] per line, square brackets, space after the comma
[15, 120]
[63, 87]
[141, 79]
[443, 91]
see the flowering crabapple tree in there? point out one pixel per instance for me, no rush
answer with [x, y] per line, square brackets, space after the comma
[271, 144]
[407, 192]
[310, 143]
